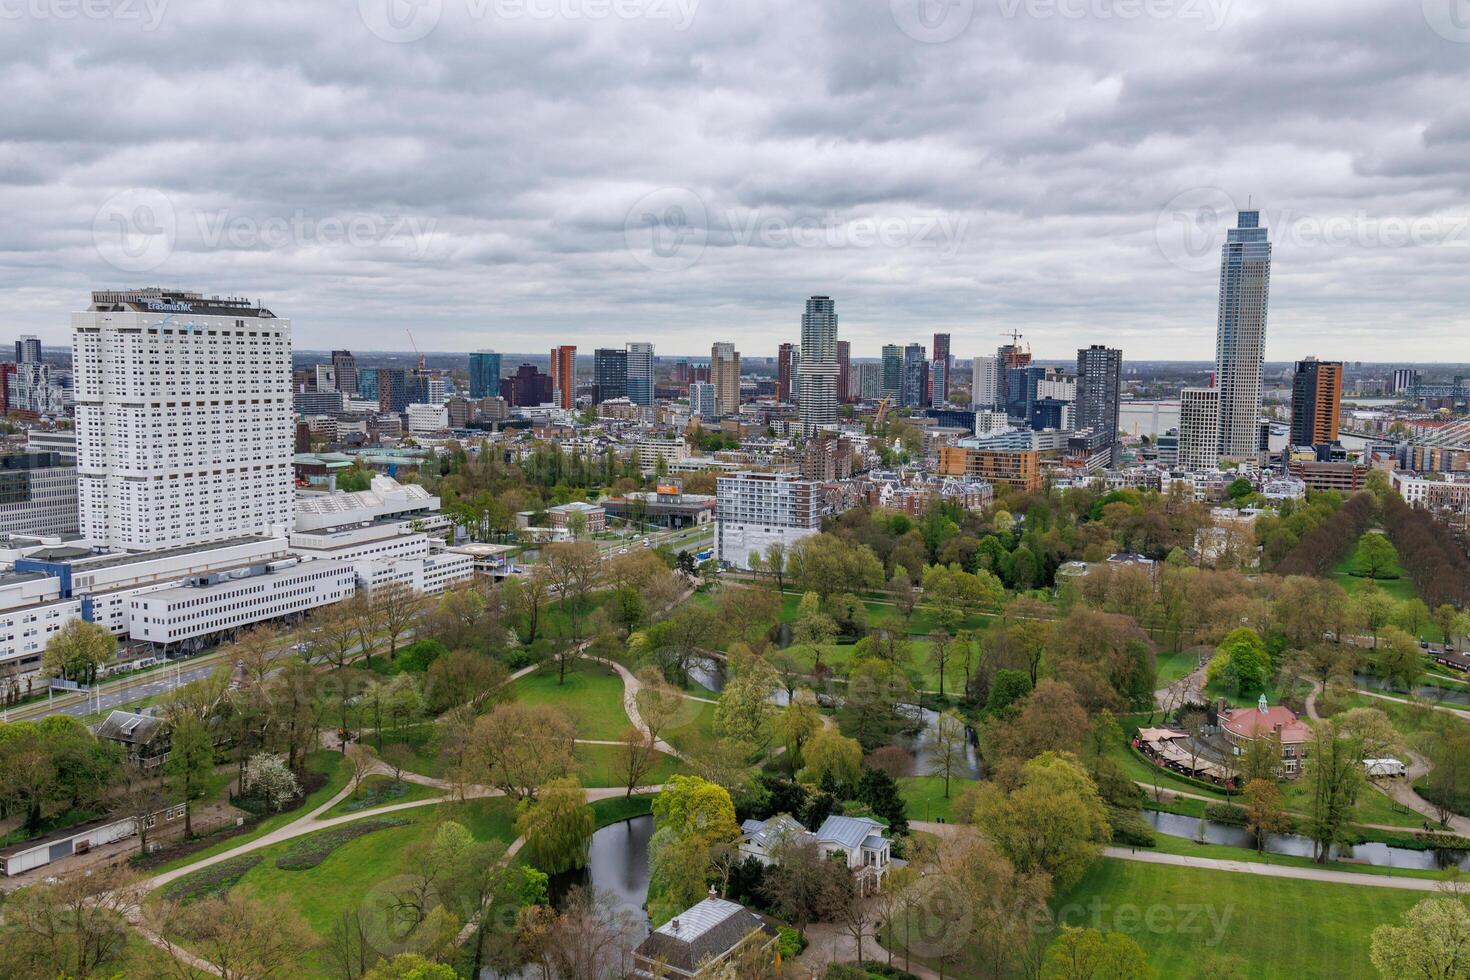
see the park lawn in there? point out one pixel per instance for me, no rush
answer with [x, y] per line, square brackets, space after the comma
[1174, 665]
[1283, 928]
[599, 765]
[592, 694]
[699, 728]
[1398, 587]
[419, 738]
[331, 764]
[924, 798]
[349, 873]
[379, 791]
[620, 808]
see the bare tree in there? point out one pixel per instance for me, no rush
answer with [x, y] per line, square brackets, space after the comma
[333, 636]
[348, 948]
[636, 757]
[76, 927]
[398, 610]
[240, 937]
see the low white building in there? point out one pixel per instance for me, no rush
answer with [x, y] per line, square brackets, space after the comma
[427, 418]
[860, 843]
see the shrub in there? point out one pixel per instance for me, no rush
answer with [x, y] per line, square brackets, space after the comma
[876, 969]
[213, 880]
[791, 941]
[1225, 813]
[308, 852]
[844, 971]
[1130, 828]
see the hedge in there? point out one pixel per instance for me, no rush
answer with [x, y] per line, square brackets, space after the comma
[312, 851]
[213, 880]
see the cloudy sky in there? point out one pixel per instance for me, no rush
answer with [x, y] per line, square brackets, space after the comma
[517, 173]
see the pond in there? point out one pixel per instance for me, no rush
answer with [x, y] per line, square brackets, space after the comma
[1378, 855]
[1450, 693]
[920, 743]
[617, 862]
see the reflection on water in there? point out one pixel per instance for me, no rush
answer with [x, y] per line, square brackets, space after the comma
[1379, 855]
[617, 862]
[1451, 694]
[921, 744]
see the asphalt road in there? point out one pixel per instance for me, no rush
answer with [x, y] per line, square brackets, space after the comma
[117, 694]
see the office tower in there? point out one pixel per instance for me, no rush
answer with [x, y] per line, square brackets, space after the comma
[702, 396]
[1240, 338]
[527, 388]
[816, 372]
[346, 367]
[393, 390]
[640, 373]
[914, 389]
[892, 375]
[1316, 395]
[198, 451]
[939, 370]
[437, 390]
[869, 386]
[324, 377]
[985, 382]
[367, 384]
[609, 374]
[724, 374]
[787, 358]
[844, 371]
[1402, 380]
[28, 350]
[484, 374]
[38, 494]
[1099, 383]
[564, 376]
[1199, 428]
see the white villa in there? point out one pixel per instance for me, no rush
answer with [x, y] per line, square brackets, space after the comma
[859, 842]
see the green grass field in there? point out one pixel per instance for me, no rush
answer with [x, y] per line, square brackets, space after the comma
[1282, 928]
[1174, 665]
[379, 791]
[600, 768]
[592, 694]
[924, 799]
[700, 727]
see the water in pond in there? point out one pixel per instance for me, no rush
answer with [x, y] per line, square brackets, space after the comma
[617, 862]
[920, 744]
[1450, 693]
[1379, 855]
[709, 672]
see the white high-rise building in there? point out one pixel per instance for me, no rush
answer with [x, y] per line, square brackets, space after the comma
[1199, 427]
[640, 373]
[756, 510]
[183, 417]
[1240, 337]
[816, 372]
[703, 397]
[985, 383]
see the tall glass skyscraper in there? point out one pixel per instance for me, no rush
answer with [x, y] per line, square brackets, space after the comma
[1240, 337]
[484, 374]
[640, 373]
[915, 377]
[892, 383]
[609, 374]
[816, 372]
[1099, 378]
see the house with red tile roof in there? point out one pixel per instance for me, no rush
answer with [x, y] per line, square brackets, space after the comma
[1241, 726]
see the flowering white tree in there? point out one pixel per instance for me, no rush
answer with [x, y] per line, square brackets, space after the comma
[268, 775]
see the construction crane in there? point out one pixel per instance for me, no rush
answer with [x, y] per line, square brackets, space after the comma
[415, 349]
[883, 404]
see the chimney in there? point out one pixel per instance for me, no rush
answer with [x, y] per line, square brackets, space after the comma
[674, 926]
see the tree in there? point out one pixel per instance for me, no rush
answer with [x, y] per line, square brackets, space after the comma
[775, 564]
[880, 792]
[1375, 557]
[594, 936]
[1086, 954]
[75, 927]
[744, 709]
[795, 724]
[1447, 746]
[519, 747]
[676, 641]
[1334, 776]
[829, 754]
[796, 884]
[1006, 689]
[827, 565]
[410, 966]
[463, 678]
[873, 710]
[270, 777]
[190, 762]
[574, 570]
[1399, 660]
[333, 635]
[948, 744]
[77, 651]
[1372, 608]
[1265, 814]
[658, 702]
[245, 939]
[1051, 718]
[557, 826]
[1434, 941]
[1241, 663]
[636, 756]
[1054, 821]
[689, 806]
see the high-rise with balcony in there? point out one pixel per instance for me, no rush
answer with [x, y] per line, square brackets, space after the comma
[1099, 380]
[816, 374]
[640, 373]
[1316, 397]
[724, 374]
[985, 382]
[1240, 336]
[564, 376]
[844, 371]
[786, 361]
[484, 374]
[915, 391]
[344, 365]
[939, 370]
[184, 419]
[1199, 427]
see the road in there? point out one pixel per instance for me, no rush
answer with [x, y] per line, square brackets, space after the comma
[124, 691]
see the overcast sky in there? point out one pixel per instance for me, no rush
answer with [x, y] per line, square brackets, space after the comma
[517, 173]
